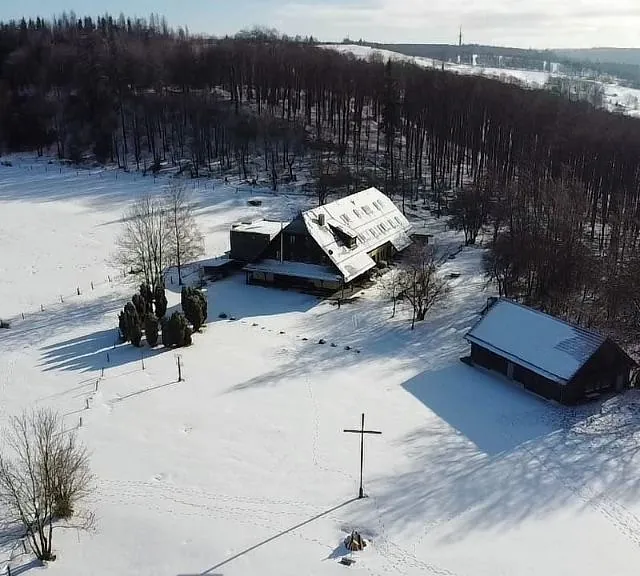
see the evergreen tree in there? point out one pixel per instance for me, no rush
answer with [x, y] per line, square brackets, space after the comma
[178, 331]
[136, 334]
[167, 340]
[141, 307]
[147, 294]
[151, 330]
[123, 325]
[160, 300]
[194, 305]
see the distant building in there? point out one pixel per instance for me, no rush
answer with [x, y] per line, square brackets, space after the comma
[324, 248]
[546, 355]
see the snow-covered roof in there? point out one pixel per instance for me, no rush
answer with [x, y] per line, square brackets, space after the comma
[368, 216]
[294, 270]
[269, 228]
[546, 345]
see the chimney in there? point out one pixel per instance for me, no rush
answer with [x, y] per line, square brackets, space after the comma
[321, 219]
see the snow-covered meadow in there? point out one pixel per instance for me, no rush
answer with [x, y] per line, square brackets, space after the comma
[243, 468]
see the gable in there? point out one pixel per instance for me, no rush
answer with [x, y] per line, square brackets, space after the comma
[547, 345]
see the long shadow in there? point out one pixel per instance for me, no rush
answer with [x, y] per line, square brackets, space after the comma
[489, 456]
[473, 403]
[143, 391]
[22, 569]
[209, 571]
[57, 318]
[93, 352]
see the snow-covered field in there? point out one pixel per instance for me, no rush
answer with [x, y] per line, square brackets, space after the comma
[243, 468]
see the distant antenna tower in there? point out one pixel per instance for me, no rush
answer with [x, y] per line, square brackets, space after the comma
[460, 37]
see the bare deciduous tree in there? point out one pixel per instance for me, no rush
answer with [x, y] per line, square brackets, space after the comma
[185, 239]
[420, 283]
[44, 475]
[391, 284]
[469, 210]
[144, 245]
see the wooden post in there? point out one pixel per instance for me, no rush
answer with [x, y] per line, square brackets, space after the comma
[362, 432]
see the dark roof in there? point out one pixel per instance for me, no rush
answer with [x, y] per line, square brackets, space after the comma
[546, 345]
[297, 226]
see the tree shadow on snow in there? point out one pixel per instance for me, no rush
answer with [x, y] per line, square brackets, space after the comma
[92, 352]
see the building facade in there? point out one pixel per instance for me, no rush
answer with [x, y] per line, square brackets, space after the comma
[547, 356]
[324, 248]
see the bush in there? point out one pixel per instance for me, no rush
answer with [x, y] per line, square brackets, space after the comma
[160, 300]
[151, 330]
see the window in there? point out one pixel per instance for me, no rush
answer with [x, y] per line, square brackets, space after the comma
[367, 210]
[292, 239]
[383, 227]
[357, 213]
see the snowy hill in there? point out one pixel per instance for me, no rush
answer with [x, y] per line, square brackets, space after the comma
[243, 468]
[616, 97]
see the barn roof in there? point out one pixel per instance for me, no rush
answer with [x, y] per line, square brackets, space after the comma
[369, 217]
[546, 345]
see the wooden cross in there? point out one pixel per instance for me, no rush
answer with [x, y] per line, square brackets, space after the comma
[362, 432]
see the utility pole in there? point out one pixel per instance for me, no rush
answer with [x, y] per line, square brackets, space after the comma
[362, 432]
[178, 357]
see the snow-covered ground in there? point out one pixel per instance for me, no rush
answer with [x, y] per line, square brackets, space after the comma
[244, 469]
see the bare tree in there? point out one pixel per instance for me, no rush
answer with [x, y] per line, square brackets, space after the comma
[391, 284]
[185, 239]
[420, 282]
[43, 477]
[143, 246]
[469, 210]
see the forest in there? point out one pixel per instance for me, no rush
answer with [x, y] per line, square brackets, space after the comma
[551, 186]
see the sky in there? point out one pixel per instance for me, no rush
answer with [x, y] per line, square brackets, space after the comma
[518, 23]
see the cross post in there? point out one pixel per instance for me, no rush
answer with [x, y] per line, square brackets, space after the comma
[362, 432]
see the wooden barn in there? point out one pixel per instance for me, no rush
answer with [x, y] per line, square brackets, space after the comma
[546, 355]
[324, 248]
